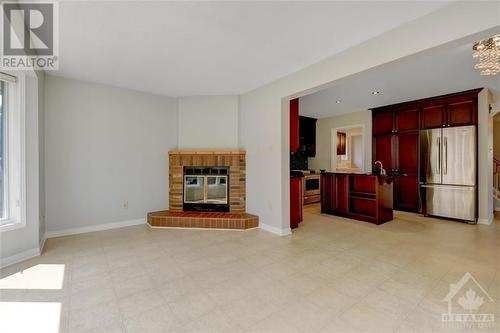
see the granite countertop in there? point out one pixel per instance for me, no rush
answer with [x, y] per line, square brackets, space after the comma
[350, 173]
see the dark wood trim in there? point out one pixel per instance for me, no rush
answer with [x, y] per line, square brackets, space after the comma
[429, 100]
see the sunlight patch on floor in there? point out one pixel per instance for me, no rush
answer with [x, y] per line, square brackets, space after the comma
[42, 276]
[29, 317]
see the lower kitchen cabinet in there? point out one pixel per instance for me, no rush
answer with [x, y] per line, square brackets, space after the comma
[406, 192]
[296, 201]
[360, 197]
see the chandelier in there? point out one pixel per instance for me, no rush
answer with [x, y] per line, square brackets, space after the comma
[487, 54]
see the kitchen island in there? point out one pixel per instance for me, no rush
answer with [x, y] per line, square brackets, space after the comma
[357, 196]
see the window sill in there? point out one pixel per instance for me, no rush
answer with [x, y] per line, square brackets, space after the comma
[10, 224]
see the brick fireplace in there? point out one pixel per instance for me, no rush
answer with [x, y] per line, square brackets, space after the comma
[234, 160]
[184, 164]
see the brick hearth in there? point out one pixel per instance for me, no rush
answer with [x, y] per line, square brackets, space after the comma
[203, 220]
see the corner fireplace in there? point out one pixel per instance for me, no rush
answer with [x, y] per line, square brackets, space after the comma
[205, 189]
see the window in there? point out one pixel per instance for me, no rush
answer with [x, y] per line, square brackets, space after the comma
[3, 176]
[12, 150]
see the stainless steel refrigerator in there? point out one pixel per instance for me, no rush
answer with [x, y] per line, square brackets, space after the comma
[449, 172]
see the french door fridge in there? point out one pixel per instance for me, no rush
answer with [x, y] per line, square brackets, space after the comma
[449, 172]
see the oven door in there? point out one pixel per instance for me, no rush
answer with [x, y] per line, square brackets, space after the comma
[311, 185]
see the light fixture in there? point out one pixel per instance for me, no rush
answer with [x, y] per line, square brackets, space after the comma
[487, 54]
[338, 101]
[375, 92]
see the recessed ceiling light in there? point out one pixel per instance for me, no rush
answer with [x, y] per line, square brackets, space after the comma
[338, 101]
[375, 92]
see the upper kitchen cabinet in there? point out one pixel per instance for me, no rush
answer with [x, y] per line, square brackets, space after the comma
[458, 109]
[383, 123]
[307, 135]
[433, 116]
[294, 125]
[462, 113]
[407, 120]
[390, 121]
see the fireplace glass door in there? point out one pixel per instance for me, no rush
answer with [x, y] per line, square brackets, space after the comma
[205, 189]
[217, 189]
[194, 189]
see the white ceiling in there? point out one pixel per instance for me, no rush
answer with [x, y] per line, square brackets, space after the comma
[214, 48]
[442, 70]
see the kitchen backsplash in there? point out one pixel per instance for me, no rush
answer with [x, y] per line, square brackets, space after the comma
[298, 161]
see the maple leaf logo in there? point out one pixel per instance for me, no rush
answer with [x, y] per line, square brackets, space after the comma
[471, 301]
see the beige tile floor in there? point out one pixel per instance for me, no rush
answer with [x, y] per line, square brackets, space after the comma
[331, 275]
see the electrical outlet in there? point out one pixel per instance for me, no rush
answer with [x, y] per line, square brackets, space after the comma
[125, 204]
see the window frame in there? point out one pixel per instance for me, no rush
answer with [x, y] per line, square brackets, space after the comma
[15, 152]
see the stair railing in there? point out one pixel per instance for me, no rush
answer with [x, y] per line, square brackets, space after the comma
[496, 177]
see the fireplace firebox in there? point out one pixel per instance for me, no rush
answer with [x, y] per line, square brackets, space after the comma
[206, 189]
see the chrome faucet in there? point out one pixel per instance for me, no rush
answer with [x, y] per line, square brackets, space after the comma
[382, 170]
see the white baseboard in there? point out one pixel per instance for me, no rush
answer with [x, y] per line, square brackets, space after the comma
[25, 255]
[274, 230]
[484, 221]
[98, 227]
[42, 243]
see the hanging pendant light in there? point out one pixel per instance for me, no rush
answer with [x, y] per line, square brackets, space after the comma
[487, 54]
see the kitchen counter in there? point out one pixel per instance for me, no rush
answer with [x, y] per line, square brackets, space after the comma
[381, 178]
[363, 197]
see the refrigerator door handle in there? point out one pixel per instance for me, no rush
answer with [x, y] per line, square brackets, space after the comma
[438, 171]
[445, 159]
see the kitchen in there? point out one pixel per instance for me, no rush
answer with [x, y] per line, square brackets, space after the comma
[409, 147]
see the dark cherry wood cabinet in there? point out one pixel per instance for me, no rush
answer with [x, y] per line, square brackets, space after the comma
[341, 203]
[406, 171]
[407, 150]
[396, 131]
[407, 119]
[296, 204]
[433, 116]
[294, 125]
[458, 109]
[302, 131]
[383, 150]
[406, 194]
[307, 135]
[396, 121]
[383, 123]
[327, 192]
[360, 197]
[462, 113]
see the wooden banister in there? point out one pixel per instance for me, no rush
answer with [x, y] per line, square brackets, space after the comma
[496, 176]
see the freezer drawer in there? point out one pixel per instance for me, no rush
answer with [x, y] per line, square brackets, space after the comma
[457, 202]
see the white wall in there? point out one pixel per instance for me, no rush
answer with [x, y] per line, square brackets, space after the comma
[41, 156]
[485, 158]
[23, 243]
[264, 113]
[208, 122]
[104, 147]
[324, 128]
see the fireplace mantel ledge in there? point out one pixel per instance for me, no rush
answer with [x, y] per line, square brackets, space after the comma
[207, 152]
